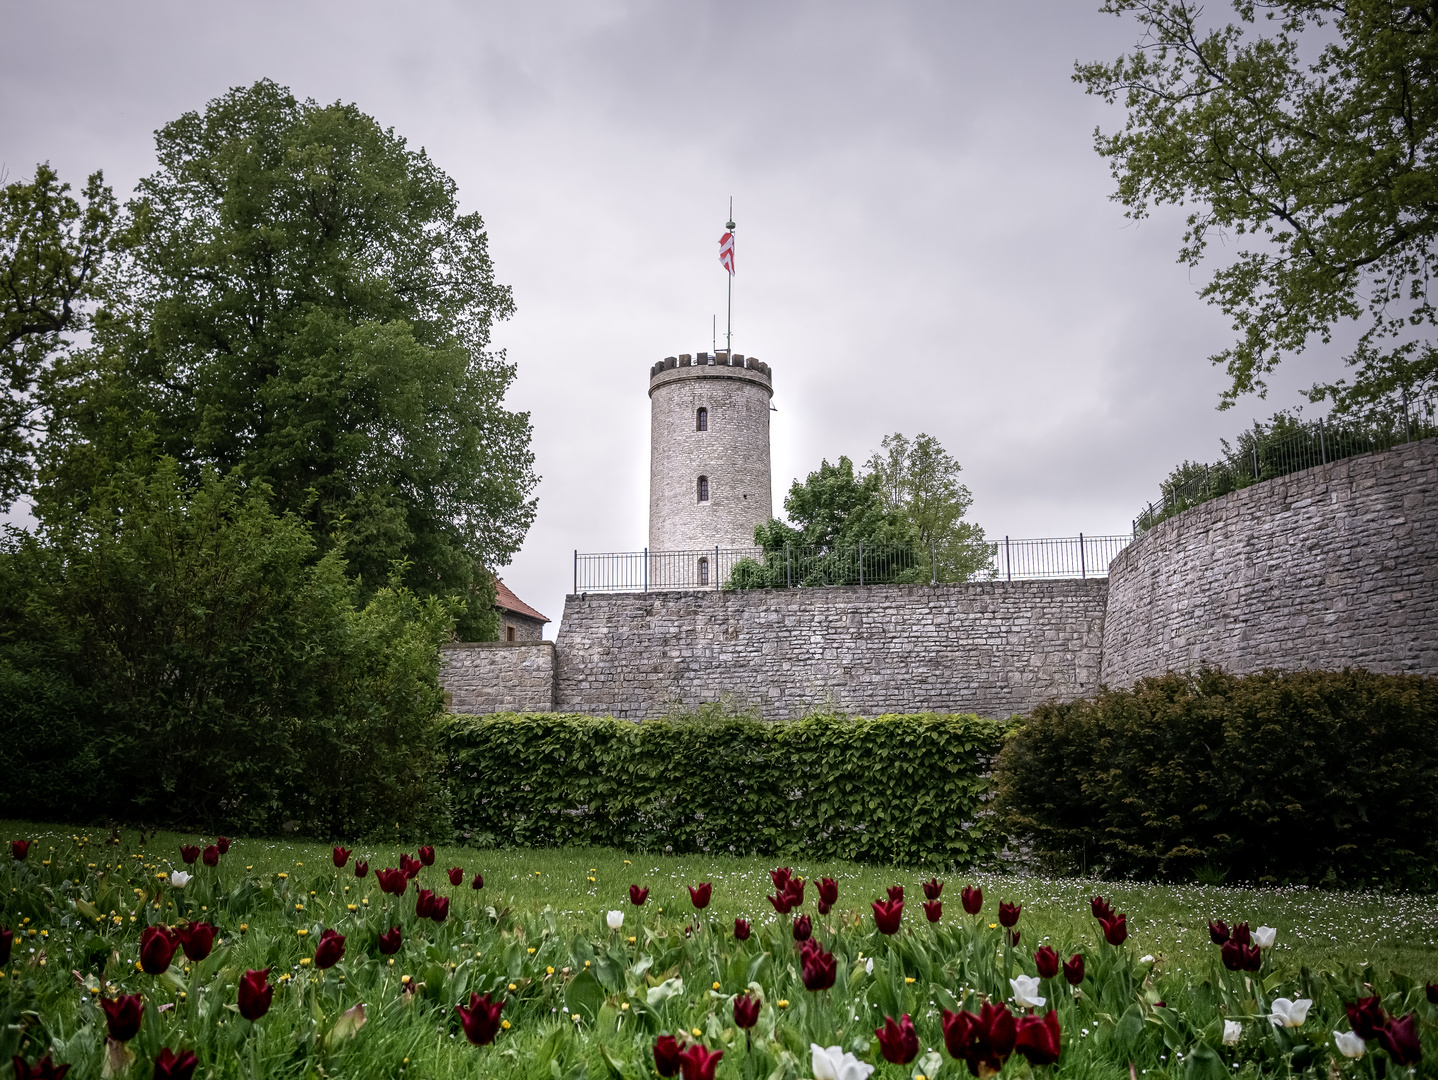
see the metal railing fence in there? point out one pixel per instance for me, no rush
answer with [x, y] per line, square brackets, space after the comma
[799, 566]
[1262, 456]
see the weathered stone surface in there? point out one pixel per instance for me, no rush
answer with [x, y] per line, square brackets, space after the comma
[1332, 567]
[994, 648]
[498, 676]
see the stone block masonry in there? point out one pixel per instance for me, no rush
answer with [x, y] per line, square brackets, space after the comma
[1335, 566]
[994, 648]
[498, 676]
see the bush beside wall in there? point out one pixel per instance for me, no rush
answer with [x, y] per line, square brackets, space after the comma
[905, 789]
[1316, 777]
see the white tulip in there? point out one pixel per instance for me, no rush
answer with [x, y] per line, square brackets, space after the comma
[1263, 937]
[615, 919]
[1146, 958]
[869, 966]
[1026, 992]
[179, 879]
[831, 1063]
[1289, 1013]
[1349, 1044]
[1232, 1032]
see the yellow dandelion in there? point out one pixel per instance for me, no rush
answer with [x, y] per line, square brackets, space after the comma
[504, 1024]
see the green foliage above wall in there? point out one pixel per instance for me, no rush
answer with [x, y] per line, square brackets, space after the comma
[892, 789]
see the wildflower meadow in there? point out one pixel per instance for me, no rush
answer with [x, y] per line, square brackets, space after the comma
[168, 956]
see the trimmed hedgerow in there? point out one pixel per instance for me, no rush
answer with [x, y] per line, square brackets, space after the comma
[1317, 777]
[895, 789]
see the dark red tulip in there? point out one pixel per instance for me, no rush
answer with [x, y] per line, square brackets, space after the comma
[7, 942]
[984, 1041]
[44, 1069]
[392, 881]
[1009, 913]
[123, 1016]
[330, 950]
[361, 868]
[19, 850]
[1101, 908]
[699, 894]
[780, 877]
[440, 911]
[794, 892]
[1400, 1038]
[828, 894]
[746, 1010]
[1115, 930]
[255, 994]
[1073, 969]
[478, 882]
[697, 1063]
[637, 896]
[1013, 936]
[887, 915]
[741, 929]
[456, 876]
[1047, 962]
[973, 899]
[1366, 1016]
[1431, 989]
[933, 889]
[481, 1020]
[210, 856]
[817, 967]
[197, 939]
[157, 947]
[933, 910]
[426, 856]
[666, 1056]
[189, 852]
[1218, 932]
[896, 892]
[172, 1066]
[802, 928]
[1038, 1039]
[1238, 957]
[340, 855]
[389, 941]
[223, 843]
[1240, 934]
[424, 905]
[899, 1043]
[781, 903]
[410, 866]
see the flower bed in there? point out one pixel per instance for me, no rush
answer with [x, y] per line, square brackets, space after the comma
[415, 966]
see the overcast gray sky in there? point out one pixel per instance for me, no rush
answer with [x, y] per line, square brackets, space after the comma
[925, 237]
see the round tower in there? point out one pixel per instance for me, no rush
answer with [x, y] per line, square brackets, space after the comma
[709, 479]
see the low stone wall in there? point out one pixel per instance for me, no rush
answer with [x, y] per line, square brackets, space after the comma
[498, 676]
[994, 648]
[1332, 567]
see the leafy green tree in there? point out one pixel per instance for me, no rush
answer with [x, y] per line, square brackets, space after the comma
[301, 298]
[919, 481]
[1304, 133]
[51, 254]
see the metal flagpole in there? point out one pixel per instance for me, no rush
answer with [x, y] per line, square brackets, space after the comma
[729, 329]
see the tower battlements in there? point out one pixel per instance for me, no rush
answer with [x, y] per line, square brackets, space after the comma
[720, 359]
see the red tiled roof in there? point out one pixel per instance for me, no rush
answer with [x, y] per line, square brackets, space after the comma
[507, 601]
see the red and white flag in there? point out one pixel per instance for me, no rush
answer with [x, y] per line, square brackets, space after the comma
[726, 252]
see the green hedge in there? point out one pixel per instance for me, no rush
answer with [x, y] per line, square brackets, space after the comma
[1316, 777]
[893, 789]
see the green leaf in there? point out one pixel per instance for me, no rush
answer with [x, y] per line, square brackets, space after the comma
[584, 995]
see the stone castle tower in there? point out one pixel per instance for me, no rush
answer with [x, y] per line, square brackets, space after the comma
[709, 481]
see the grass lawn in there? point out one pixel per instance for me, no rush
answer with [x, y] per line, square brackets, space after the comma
[537, 929]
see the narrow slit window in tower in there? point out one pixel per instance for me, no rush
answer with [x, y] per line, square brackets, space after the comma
[704, 489]
[509, 633]
[703, 571]
[701, 420]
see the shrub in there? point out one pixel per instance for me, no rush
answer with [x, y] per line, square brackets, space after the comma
[1317, 777]
[177, 655]
[903, 789]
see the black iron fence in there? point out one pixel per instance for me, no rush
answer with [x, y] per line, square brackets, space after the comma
[799, 566]
[1288, 448]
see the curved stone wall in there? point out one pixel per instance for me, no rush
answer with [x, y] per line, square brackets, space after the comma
[1331, 567]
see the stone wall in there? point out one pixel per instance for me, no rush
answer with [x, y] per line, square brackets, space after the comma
[1330, 567]
[498, 676]
[994, 648]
